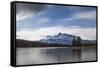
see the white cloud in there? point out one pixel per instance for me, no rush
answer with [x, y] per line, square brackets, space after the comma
[22, 15]
[84, 33]
[35, 18]
[74, 26]
[91, 15]
[41, 20]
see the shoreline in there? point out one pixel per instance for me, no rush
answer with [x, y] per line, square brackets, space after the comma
[62, 47]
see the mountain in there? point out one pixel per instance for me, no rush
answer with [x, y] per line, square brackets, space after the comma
[88, 41]
[64, 39]
[59, 39]
[27, 43]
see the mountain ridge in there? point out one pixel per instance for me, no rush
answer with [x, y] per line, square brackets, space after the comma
[63, 38]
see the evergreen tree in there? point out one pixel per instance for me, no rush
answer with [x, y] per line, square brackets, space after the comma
[73, 42]
[78, 41]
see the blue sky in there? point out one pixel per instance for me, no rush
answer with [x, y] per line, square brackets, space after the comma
[62, 17]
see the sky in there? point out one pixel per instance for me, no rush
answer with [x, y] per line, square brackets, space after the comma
[35, 21]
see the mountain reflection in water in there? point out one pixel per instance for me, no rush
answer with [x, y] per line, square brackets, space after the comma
[44, 55]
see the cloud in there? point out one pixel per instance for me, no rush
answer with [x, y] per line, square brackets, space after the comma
[42, 20]
[74, 26]
[84, 33]
[33, 16]
[24, 10]
[22, 15]
[33, 23]
[91, 15]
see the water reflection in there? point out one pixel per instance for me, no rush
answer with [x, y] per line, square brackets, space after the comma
[59, 54]
[44, 55]
[77, 53]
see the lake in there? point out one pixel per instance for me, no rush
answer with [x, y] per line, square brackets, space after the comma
[44, 55]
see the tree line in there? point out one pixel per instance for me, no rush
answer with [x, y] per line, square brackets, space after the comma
[76, 42]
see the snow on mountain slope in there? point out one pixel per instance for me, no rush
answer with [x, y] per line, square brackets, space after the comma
[59, 39]
[64, 39]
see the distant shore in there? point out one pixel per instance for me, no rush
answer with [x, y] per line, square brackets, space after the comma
[62, 47]
[24, 44]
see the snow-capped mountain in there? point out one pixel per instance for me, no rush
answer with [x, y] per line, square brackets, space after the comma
[59, 39]
[64, 39]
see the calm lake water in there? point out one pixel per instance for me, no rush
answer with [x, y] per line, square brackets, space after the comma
[26, 56]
